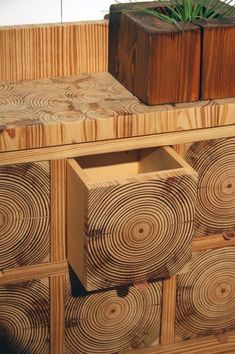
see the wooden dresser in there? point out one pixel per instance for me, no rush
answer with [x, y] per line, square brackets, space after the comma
[58, 105]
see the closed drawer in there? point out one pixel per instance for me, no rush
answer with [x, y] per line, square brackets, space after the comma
[129, 216]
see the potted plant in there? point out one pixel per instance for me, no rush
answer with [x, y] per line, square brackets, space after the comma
[174, 51]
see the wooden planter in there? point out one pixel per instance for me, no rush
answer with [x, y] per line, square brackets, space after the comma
[161, 64]
[130, 216]
[218, 57]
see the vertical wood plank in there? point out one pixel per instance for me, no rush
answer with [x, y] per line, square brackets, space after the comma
[32, 52]
[218, 73]
[168, 311]
[57, 314]
[58, 210]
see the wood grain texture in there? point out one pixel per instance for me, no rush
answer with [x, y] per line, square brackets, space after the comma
[33, 272]
[24, 214]
[209, 345]
[36, 51]
[24, 313]
[127, 230]
[214, 160]
[154, 61]
[57, 314]
[94, 107]
[58, 210]
[111, 321]
[206, 295]
[114, 34]
[168, 311]
[211, 242]
[115, 145]
[218, 53]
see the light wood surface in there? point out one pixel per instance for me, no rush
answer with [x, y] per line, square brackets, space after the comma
[214, 160]
[130, 216]
[111, 321]
[76, 208]
[206, 295]
[92, 107]
[32, 272]
[58, 210]
[106, 146]
[24, 214]
[31, 52]
[57, 314]
[36, 51]
[208, 345]
[212, 241]
[168, 311]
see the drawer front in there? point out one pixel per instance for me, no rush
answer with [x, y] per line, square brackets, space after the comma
[214, 161]
[24, 314]
[111, 321]
[130, 228]
[206, 295]
[24, 214]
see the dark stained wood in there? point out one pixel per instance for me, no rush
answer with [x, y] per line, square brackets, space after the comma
[218, 57]
[114, 26]
[153, 59]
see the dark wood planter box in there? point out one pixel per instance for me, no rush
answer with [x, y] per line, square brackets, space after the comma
[218, 59]
[161, 64]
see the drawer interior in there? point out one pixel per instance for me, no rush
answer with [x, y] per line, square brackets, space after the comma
[129, 163]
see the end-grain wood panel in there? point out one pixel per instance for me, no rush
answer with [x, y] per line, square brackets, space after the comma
[111, 321]
[24, 214]
[92, 107]
[130, 216]
[32, 52]
[206, 295]
[214, 160]
[218, 53]
[24, 317]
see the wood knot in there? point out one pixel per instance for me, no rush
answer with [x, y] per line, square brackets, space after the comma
[141, 286]
[222, 336]
[229, 234]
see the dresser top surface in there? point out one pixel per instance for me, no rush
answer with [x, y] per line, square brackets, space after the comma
[92, 107]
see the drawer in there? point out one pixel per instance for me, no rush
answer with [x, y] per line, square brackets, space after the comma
[129, 216]
[24, 214]
[214, 161]
[205, 295]
[111, 321]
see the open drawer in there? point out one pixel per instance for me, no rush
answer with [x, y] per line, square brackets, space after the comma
[129, 216]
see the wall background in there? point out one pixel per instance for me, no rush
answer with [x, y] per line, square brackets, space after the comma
[17, 12]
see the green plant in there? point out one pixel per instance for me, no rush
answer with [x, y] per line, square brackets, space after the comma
[190, 10]
[178, 11]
